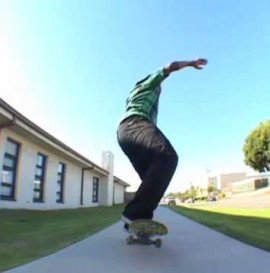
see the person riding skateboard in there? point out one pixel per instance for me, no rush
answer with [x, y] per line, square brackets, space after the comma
[149, 151]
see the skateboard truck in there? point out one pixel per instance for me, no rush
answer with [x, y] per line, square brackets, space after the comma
[143, 231]
[145, 240]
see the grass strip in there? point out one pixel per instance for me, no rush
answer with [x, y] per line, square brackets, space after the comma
[27, 235]
[251, 226]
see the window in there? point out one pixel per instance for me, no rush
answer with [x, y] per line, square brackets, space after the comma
[60, 183]
[39, 178]
[9, 169]
[95, 189]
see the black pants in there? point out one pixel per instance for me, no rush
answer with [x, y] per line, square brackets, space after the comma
[153, 158]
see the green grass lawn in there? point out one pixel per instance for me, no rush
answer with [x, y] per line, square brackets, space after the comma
[27, 235]
[248, 225]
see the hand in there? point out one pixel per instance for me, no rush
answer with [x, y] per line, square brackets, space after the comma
[198, 63]
[174, 66]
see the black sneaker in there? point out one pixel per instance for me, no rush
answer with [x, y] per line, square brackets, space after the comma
[126, 227]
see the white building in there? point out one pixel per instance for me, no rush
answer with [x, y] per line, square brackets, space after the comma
[252, 183]
[223, 181]
[40, 172]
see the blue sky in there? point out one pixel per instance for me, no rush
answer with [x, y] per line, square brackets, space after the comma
[69, 66]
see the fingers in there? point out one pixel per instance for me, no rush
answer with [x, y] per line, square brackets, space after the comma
[199, 63]
[202, 61]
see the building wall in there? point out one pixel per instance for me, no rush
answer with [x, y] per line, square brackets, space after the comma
[26, 173]
[72, 187]
[252, 183]
[128, 196]
[118, 193]
[227, 179]
[103, 191]
[243, 186]
[88, 190]
[107, 182]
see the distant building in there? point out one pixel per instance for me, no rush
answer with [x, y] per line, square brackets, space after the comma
[212, 182]
[227, 179]
[239, 182]
[224, 181]
[252, 183]
[40, 172]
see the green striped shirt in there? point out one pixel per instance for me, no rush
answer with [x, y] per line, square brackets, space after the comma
[143, 98]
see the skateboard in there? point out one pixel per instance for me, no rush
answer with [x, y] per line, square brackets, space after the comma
[145, 232]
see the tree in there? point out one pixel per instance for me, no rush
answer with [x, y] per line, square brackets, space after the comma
[210, 188]
[192, 192]
[257, 148]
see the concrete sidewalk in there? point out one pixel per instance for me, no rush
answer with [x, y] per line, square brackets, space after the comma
[189, 247]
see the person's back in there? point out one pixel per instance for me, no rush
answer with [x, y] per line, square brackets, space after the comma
[144, 97]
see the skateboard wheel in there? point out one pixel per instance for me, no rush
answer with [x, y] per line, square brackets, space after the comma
[158, 243]
[130, 240]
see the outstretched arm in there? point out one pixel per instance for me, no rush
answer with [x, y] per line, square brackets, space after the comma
[175, 66]
[157, 77]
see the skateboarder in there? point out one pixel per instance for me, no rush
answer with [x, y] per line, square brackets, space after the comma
[149, 151]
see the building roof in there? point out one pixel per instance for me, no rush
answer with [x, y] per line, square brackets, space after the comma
[11, 117]
[121, 182]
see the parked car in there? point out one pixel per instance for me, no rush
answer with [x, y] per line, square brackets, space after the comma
[189, 201]
[212, 198]
[170, 201]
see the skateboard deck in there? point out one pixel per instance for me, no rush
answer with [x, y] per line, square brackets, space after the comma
[146, 232]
